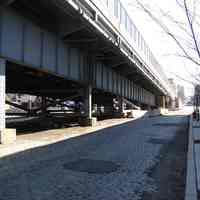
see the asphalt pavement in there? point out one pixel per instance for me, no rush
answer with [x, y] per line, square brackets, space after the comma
[109, 164]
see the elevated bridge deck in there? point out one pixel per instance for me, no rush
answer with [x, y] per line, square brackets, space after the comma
[60, 48]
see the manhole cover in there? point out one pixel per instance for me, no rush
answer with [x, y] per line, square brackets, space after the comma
[159, 141]
[92, 166]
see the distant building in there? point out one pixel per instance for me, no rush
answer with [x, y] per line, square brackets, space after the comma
[180, 95]
[174, 88]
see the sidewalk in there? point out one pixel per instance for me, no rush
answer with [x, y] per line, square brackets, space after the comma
[43, 138]
[193, 162]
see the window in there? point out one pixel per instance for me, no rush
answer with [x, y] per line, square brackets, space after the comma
[126, 20]
[106, 2]
[128, 24]
[135, 33]
[138, 39]
[116, 8]
[144, 46]
[146, 50]
[131, 29]
[122, 16]
[141, 43]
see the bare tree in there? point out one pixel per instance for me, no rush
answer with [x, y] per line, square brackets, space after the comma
[185, 32]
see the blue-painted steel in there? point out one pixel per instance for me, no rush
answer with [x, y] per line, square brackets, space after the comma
[111, 18]
[24, 41]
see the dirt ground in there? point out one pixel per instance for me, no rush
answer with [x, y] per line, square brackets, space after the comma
[170, 172]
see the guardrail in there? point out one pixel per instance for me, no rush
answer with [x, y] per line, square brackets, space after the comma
[125, 35]
[191, 183]
[117, 15]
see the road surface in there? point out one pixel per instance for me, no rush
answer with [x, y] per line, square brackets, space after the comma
[115, 163]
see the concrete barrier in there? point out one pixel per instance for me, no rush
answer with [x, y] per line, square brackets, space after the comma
[158, 112]
[8, 136]
[191, 180]
[88, 122]
[135, 113]
[141, 113]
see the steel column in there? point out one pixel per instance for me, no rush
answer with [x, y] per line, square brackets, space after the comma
[121, 105]
[88, 102]
[2, 95]
[163, 102]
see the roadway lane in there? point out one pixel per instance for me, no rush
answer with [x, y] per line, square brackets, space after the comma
[111, 164]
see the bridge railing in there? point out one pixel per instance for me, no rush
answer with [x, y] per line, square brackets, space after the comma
[118, 16]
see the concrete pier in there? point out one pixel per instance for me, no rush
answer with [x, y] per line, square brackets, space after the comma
[121, 106]
[7, 136]
[2, 97]
[88, 102]
[88, 119]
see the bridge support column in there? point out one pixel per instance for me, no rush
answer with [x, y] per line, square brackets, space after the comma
[2, 96]
[88, 119]
[44, 104]
[120, 106]
[167, 102]
[172, 103]
[6, 135]
[163, 102]
[88, 102]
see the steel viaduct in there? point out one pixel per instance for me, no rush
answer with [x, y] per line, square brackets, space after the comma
[69, 49]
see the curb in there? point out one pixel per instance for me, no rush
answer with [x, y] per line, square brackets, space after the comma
[191, 185]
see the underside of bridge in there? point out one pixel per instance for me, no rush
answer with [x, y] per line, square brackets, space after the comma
[47, 49]
[78, 33]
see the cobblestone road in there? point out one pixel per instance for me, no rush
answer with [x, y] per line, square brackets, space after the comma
[111, 164]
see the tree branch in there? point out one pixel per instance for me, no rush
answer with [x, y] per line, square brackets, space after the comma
[191, 28]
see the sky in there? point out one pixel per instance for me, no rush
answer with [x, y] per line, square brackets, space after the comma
[163, 47]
